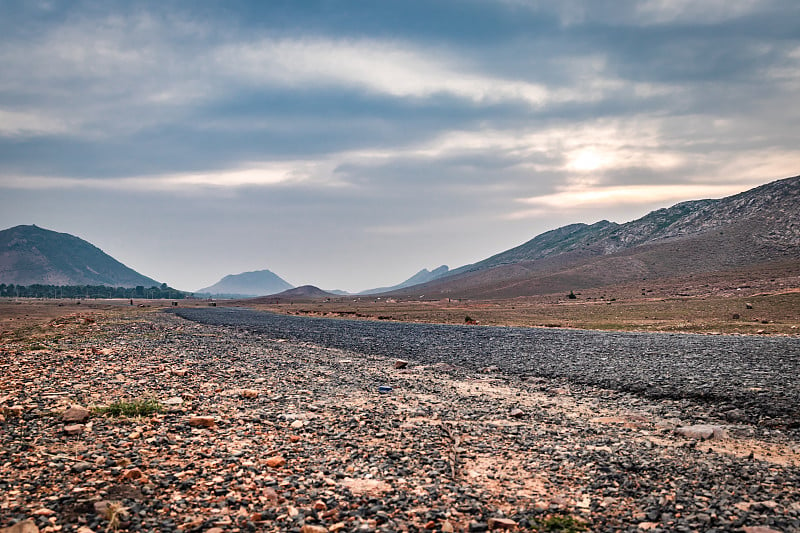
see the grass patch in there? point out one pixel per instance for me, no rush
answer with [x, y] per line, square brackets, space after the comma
[130, 409]
[558, 524]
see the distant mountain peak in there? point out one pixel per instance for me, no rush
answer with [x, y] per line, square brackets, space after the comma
[423, 276]
[32, 255]
[255, 283]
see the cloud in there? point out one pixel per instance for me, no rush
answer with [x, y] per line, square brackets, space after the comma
[385, 67]
[419, 121]
[29, 124]
[268, 174]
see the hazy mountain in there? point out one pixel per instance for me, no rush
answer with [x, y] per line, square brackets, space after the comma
[304, 293]
[257, 283]
[423, 276]
[745, 231]
[31, 255]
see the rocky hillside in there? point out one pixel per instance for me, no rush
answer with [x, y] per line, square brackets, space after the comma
[31, 255]
[257, 283]
[738, 232]
[423, 276]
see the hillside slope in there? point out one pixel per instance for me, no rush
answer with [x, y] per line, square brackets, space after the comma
[31, 255]
[739, 232]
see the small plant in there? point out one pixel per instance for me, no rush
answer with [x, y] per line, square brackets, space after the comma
[114, 513]
[133, 408]
[571, 295]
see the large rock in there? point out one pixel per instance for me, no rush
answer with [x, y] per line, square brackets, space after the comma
[276, 461]
[76, 413]
[26, 526]
[501, 523]
[202, 421]
[702, 432]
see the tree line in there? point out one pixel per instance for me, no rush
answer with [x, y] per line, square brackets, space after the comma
[90, 291]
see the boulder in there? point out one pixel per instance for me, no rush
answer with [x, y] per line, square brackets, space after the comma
[76, 413]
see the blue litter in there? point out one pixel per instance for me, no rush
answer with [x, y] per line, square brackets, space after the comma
[383, 389]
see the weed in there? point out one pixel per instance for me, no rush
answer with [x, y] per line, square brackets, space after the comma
[132, 408]
[114, 513]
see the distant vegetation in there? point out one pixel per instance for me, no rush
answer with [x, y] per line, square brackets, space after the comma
[90, 291]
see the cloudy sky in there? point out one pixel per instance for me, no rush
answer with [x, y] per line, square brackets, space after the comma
[350, 144]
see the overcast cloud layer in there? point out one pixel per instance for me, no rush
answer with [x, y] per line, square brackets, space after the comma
[350, 144]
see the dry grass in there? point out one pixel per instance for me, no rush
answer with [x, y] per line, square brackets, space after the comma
[776, 313]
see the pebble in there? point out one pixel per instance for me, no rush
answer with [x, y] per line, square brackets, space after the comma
[73, 429]
[276, 461]
[501, 523]
[202, 421]
[81, 466]
[702, 432]
[14, 410]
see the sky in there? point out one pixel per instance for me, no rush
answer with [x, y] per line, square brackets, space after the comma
[350, 144]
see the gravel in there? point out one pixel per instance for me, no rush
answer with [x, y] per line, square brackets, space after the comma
[752, 378]
[263, 431]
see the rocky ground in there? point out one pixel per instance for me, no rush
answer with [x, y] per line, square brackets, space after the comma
[260, 433]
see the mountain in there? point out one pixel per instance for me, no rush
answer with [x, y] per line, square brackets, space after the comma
[258, 283]
[32, 255]
[747, 231]
[423, 276]
[306, 293]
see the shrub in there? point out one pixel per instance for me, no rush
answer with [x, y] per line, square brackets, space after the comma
[133, 408]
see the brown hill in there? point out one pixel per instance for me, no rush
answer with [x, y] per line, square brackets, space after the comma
[746, 232]
[306, 293]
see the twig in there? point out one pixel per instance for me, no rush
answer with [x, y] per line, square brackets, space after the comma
[455, 444]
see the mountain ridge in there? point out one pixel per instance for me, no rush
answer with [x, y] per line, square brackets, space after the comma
[750, 228]
[423, 276]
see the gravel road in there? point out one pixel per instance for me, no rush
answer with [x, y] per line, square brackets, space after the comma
[745, 378]
[259, 430]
